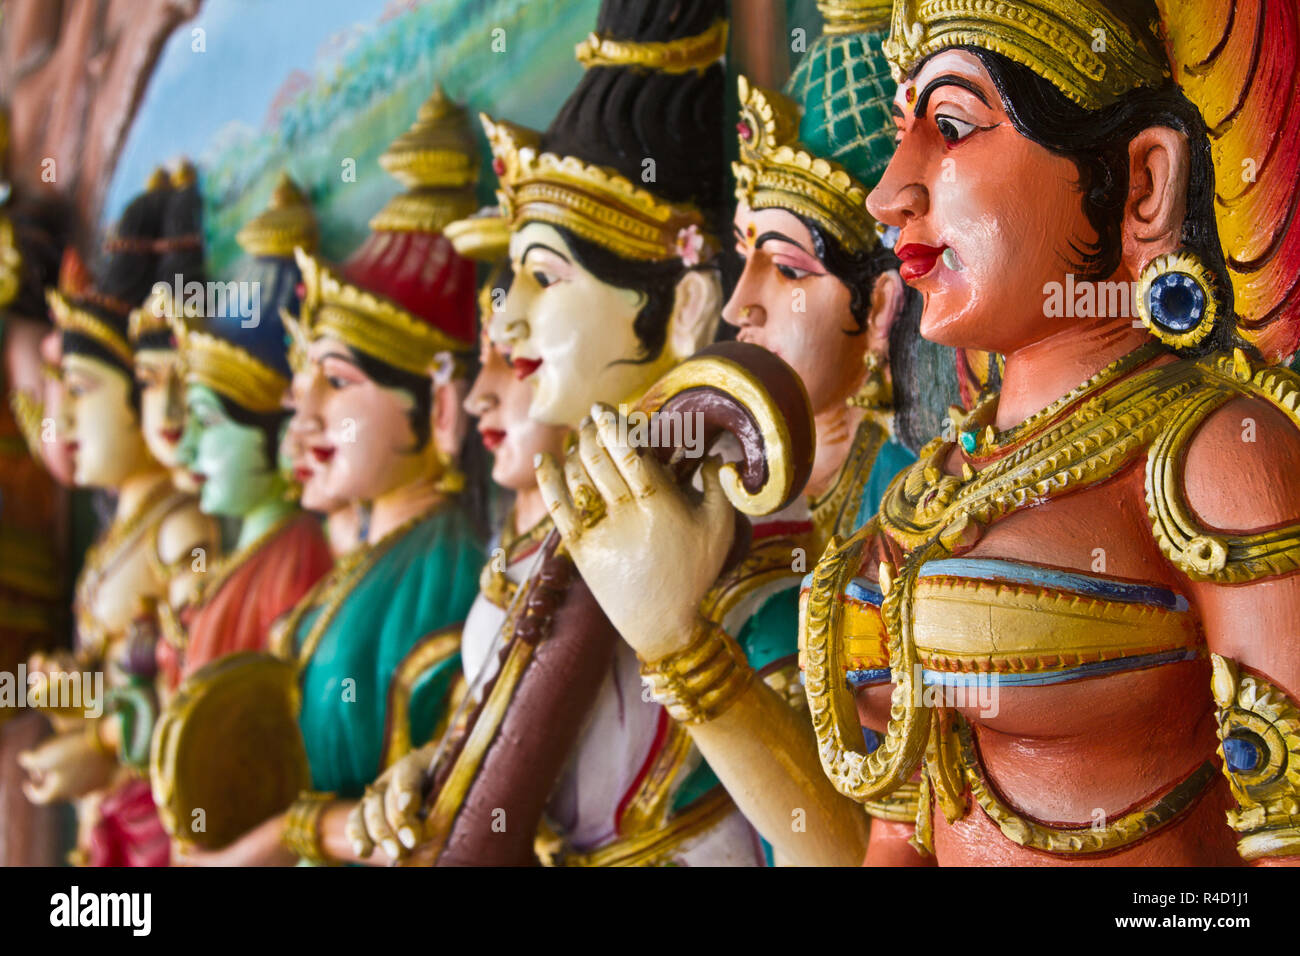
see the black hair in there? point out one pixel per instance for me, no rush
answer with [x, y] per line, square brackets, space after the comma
[1097, 141]
[916, 367]
[419, 387]
[269, 424]
[621, 117]
[42, 228]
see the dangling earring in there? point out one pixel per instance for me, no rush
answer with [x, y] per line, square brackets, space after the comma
[450, 480]
[875, 393]
[1175, 299]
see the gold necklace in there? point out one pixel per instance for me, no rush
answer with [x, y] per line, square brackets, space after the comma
[493, 582]
[834, 511]
[335, 588]
[979, 444]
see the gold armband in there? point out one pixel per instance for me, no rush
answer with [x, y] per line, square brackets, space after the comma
[302, 827]
[699, 683]
[1259, 726]
[901, 806]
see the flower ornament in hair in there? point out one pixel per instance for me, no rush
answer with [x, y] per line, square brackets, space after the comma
[443, 368]
[693, 246]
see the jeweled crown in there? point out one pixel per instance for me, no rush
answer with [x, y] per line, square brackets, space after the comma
[287, 223]
[776, 170]
[229, 370]
[1080, 46]
[594, 202]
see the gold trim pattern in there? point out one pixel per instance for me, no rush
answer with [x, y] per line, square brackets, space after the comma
[594, 202]
[698, 683]
[1201, 554]
[230, 370]
[653, 847]
[69, 317]
[1054, 38]
[775, 170]
[369, 322]
[682, 55]
[428, 654]
[853, 16]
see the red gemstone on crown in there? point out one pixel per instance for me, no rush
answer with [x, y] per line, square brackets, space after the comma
[745, 130]
[498, 165]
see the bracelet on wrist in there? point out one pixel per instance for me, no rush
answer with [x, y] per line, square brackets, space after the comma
[698, 684]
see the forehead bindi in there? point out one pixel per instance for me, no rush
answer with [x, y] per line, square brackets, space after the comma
[959, 63]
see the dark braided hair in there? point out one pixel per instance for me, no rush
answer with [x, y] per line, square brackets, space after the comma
[622, 116]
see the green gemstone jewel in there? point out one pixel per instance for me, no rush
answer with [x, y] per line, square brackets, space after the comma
[967, 442]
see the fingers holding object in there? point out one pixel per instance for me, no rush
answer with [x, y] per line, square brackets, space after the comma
[550, 482]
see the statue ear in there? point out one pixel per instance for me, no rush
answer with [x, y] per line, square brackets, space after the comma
[450, 421]
[697, 307]
[887, 294]
[1156, 207]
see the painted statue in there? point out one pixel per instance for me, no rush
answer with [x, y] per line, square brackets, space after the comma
[1070, 588]
[98, 760]
[605, 299]
[236, 376]
[383, 341]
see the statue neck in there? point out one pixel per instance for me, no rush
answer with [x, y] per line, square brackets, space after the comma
[835, 427]
[263, 516]
[529, 509]
[135, 490]
[1039, 374]
[401, 504]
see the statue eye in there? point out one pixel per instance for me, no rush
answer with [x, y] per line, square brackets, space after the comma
[543, 279]
[790, 272]
[953, 130]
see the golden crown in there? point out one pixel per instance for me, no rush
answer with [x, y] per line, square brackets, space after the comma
[371, 323]
[853, 16]
[229, 370]
[158, 311]
[1078, 46]
[594, 202]
[775, 170]
[437, 160]
[70, 317]
[484, 236]
[671, 56]
[287, 223]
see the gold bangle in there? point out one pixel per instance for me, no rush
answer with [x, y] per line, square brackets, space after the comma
[699, 683]
[301, 833]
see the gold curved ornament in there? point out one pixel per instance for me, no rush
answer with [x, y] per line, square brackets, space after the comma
[229, 370]
[856, 774]
[735, 380]
[227, 752]
[683, 55]
[1210, 555]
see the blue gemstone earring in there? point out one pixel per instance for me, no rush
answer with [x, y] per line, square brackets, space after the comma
[1175, 299]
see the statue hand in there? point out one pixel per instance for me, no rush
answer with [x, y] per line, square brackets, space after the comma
[648, 549]
[64, 767]
[388, 814]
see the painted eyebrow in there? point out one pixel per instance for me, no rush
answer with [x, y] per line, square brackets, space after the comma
[779, 237]
[545, 247]
[342, 357]
[947, 79]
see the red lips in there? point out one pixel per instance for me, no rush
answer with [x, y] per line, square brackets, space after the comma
[525, 367]
[302, 473]
[197, 478]
[172, 435]
[492, 438]
[322, 453]
[917, 259]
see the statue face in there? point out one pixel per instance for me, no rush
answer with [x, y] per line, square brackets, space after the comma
[356, 432]
[787, 302]
[296, 458]
[568, 334]
[228, 460]
[162, 409]
[105, 440]
[987, 217]
[500, 402]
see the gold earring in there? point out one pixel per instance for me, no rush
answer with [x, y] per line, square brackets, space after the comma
[875, 393]
[1175, 299]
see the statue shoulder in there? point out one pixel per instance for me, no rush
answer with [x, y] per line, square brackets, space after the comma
[1220, 484]
[183, 528]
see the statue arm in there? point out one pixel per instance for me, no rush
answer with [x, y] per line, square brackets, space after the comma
[1249, 599]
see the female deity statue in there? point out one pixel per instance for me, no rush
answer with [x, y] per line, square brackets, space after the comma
[1070, 591]
[383, 343]
[605, 298]
[236, 379]
[124, 576]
